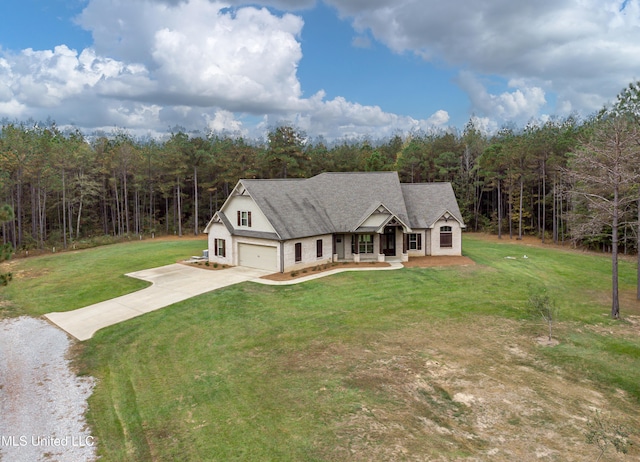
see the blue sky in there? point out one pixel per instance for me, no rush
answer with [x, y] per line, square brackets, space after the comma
[336, 68]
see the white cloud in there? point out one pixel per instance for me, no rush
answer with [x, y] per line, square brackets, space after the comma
[208, 63]
[196, 51]
[439, 119]
[556, 45]
[522, 103]
[339, 118]
[192, 63]
[151, 58]
[224, 121]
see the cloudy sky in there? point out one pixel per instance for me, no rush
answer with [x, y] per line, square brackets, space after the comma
[337, 68]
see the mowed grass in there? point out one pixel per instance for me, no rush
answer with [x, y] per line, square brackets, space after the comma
[70, 280]
[414, 364]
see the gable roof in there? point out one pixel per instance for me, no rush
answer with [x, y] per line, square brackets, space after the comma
[290, 207]
[428, 202]
[340, 202]
[348, 196]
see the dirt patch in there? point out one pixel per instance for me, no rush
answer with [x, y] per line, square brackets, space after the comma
[546, 341]
[460, 391]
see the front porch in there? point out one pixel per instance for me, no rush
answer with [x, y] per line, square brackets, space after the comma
[388, 246]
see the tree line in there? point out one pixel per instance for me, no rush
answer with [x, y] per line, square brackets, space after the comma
[62, 187]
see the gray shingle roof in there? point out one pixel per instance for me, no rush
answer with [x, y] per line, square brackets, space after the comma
[351, 197]
[290, 207]
[427, 202]
[339, 202]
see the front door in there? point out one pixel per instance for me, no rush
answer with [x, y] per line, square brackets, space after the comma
[389, 241]
[340, 246]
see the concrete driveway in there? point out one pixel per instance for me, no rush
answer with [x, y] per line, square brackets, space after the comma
[170, 284]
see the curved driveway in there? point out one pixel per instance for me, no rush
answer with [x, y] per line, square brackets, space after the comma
[170, 284]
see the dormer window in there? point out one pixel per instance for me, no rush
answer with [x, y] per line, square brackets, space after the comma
[244, 218]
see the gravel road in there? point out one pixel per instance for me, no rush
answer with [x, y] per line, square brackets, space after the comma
[42, 402]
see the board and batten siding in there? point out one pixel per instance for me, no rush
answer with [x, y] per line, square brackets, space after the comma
[259, 221]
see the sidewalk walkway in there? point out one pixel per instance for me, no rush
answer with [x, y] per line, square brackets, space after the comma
[392, 266]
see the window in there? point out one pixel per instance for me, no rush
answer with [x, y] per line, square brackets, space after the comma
[219, 247]
[319, 248]
[446, 237]
[365, 242]
[298, 251]
[415, 241]
[244, 218]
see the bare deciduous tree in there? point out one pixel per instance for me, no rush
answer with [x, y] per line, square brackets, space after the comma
[605, 172]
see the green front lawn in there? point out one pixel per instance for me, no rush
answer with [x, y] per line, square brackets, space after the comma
[365, 365]
[70, 280]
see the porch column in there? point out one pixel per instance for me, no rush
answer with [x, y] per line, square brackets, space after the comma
[405, 246]
[381, 247]
[334, 246]
[356, 248]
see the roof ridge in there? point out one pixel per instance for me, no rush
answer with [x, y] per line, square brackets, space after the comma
[356, 173]
[426, 182]
[273, 179]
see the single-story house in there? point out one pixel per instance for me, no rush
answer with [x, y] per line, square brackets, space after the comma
[289, 224]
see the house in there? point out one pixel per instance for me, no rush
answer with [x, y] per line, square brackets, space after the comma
[289, 224]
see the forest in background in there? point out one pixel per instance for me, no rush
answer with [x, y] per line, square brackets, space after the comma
[62, 188]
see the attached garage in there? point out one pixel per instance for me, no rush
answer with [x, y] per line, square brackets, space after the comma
[258, 256]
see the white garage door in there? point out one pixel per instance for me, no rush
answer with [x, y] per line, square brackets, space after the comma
[258, 256]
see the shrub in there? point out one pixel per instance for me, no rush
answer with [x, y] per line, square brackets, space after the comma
[605, 432]
[215, 265]
[6, 251]
[5, 278]
[541, 304]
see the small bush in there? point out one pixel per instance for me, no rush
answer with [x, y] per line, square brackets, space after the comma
[6, 251]
[541, 304]
[605, 432]
[5, 278]
[215, 265]
[206, 263]
[294, 274]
